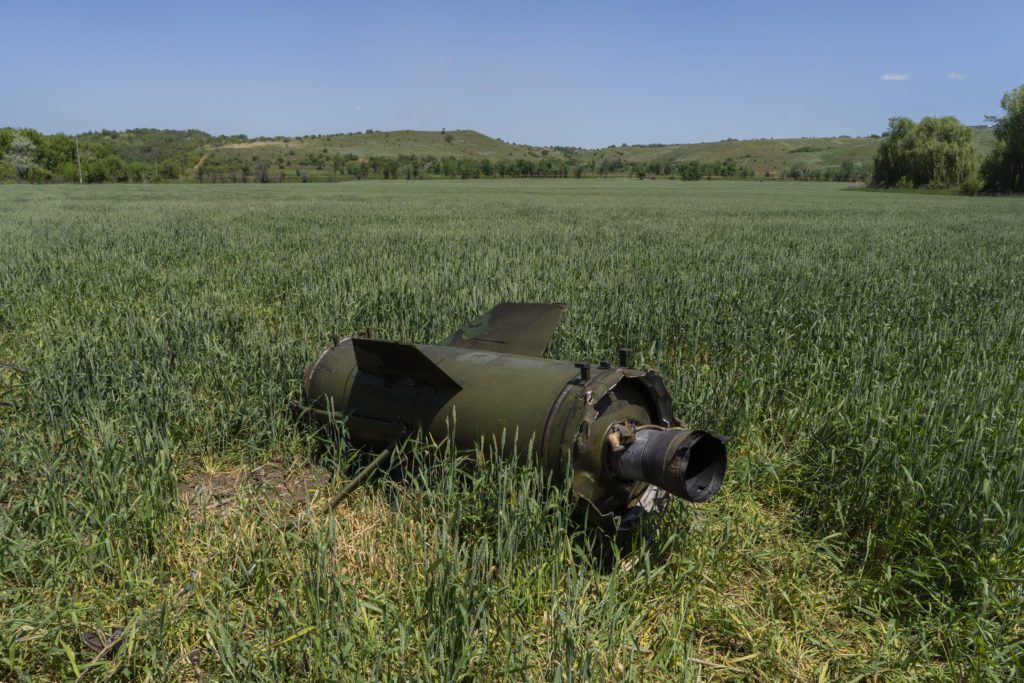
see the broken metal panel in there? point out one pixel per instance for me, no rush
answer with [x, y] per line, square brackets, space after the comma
[523, 329]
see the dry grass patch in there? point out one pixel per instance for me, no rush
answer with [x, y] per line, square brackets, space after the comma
[218, 493]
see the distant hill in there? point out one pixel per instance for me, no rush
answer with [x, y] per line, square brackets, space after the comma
[460, 143]
[765, 155]
[319, 157]
[146, 154]
[312, 154]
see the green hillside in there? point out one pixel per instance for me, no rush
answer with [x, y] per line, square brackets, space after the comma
[144, 155]
[460, 143]
[327, 157]
[762, 155]
[768, 155]
[154, 145]
[317, 155]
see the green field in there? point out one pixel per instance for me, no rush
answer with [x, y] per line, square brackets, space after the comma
[863, 349]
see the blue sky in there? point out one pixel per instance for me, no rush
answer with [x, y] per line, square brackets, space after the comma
[567, 73]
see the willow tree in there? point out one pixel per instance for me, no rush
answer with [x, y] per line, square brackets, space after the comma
[1004, 167]
[937, 152]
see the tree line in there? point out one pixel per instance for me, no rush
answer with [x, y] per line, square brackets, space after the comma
[154, 156]
[144, 155]
[141, 155]
[939, 152]
[936, 152]
[412, 167]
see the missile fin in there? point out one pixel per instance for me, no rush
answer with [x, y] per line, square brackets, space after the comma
[397, 361]
[523, 329]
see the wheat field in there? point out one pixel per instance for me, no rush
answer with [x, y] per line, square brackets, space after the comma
[864, 350]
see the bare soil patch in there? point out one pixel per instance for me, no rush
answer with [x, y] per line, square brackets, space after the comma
[254, 144]
[217, 493]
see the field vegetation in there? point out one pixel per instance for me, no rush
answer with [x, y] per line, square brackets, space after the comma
[864, 350]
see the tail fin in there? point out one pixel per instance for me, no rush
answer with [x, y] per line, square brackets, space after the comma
[523, 329]
[399, 362]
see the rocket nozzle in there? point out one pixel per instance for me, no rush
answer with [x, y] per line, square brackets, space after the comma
[690, 465]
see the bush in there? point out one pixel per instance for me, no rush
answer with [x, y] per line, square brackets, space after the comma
[971, 186]
[937, 152]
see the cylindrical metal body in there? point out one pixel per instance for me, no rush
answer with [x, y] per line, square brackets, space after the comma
[554, 410]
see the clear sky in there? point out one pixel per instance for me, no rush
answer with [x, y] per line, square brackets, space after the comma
[548, 73]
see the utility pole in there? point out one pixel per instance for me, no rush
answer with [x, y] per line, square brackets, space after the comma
[78, 156]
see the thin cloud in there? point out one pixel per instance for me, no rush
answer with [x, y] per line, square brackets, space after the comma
[956, 76]
[445, 60]
[895, 77]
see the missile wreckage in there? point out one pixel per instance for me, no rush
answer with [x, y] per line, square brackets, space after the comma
[610, 429]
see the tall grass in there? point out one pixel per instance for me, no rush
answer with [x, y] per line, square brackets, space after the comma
[865, 351]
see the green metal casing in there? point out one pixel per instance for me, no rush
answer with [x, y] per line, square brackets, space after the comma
[527, 406]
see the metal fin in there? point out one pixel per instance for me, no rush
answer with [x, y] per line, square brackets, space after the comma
[399, 362]
[523, 329]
